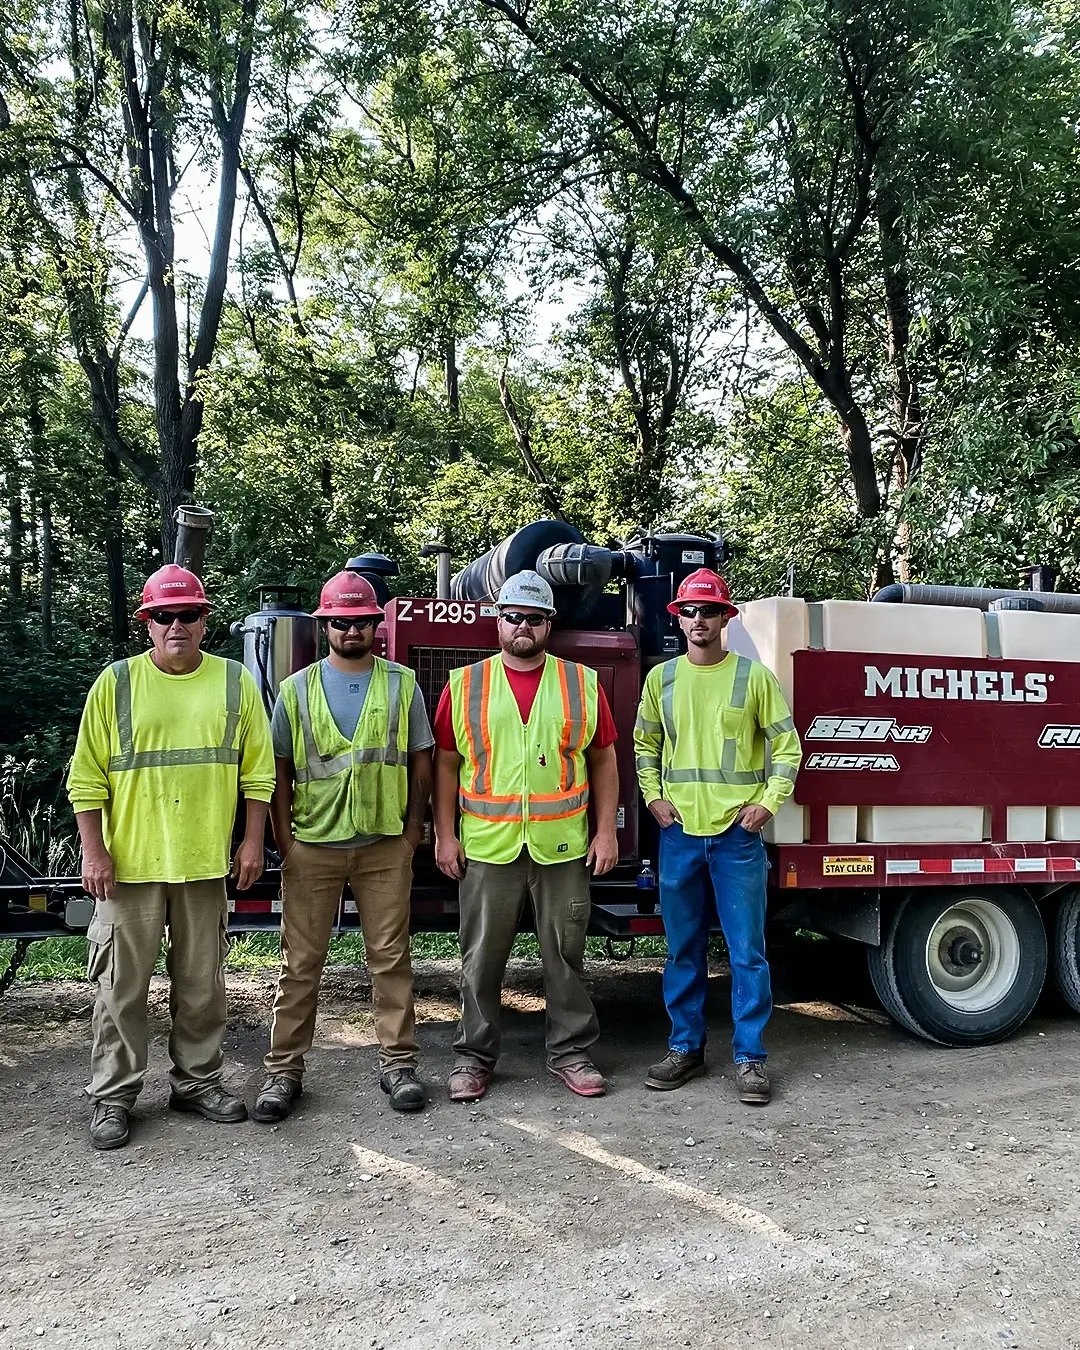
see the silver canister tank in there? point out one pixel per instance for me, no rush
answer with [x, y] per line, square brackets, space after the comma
[280, 639]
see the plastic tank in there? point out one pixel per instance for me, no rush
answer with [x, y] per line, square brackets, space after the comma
[1037, 637]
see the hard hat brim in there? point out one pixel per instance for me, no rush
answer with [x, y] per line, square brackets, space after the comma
[144, 611]
[550, 610]
[346, 612]
[676, 605]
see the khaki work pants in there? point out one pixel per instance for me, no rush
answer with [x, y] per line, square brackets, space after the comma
[312, 879]
[491, 897]
[125, 938]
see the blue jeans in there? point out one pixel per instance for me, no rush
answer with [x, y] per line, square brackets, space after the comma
[697, 873]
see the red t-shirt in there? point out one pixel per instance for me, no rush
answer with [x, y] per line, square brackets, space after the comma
[523, 685]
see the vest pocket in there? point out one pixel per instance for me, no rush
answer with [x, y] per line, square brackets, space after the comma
[99, 961]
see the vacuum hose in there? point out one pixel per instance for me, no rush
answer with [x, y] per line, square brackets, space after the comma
[976, 597]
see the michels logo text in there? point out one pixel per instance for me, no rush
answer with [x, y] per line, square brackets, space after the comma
[979, 686]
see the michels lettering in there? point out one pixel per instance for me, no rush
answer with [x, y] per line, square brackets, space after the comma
[936, 682]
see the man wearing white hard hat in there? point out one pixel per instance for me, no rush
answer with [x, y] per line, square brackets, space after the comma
[352, 746]
[522, 739]
[167, 742]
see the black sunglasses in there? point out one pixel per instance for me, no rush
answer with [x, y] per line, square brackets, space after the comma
[167, 617]
[706, 611]
[343, 625]
[515, 620]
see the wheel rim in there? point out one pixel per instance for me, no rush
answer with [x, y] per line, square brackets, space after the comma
[973, 955]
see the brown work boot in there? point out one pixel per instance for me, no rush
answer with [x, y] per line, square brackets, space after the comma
[752, 1082]
[277, 1097]
[676, 1068]
[405, 1090]
[109, 1125]
[584, 1078]
[468, 1082]
[214, 1103]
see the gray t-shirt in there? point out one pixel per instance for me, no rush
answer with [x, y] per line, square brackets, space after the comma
[345, 695]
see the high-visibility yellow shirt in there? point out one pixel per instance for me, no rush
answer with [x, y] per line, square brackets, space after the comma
[701, 738]
[163, 757]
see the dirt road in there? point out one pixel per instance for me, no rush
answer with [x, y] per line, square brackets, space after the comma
[893, 1194]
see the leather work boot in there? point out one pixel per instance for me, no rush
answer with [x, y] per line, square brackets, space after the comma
[468, 1082]
[753, 1082]
[676, 1068]
[214, 1103]
[108, 1125]
[277, 1097]
[584, 1078]
[404, 1089]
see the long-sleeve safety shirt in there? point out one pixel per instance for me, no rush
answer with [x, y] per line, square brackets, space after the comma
[163, 757]
[701, 737]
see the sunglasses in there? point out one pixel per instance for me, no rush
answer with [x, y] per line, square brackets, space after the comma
[343, 625]
[167, 617]
[515, 620]
[706, 611]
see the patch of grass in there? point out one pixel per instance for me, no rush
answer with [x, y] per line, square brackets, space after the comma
[64, 958]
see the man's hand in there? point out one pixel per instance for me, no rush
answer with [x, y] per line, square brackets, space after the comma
[98, 874]
[603, 853]
[247, 865]
[664, 813]
[753, 818]
[450, 856]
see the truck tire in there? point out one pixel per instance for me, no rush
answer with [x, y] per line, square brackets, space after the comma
[961, 966]
[1067, 948]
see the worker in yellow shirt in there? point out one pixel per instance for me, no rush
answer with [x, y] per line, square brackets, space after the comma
[166, 740]
[700, 742]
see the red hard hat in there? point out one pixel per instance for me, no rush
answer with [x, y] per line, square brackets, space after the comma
[703, 587]
[172, 585]
[348, 596]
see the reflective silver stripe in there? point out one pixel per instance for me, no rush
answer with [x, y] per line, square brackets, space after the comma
[575, 801]
[667, 699]
[739, 778]
[647, 762]
[787, 771]
[321, 768]
[648, 726]
[129, 758]
[474, 712]
[743, 666]
[577, 723]
[476, 807]
[393, 716]
[775, 729]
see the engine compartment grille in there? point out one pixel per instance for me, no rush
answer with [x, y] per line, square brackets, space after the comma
[434, 664]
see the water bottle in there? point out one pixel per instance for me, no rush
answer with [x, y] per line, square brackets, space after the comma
[646, 888]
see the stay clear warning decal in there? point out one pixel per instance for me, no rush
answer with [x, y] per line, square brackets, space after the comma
[848, 865]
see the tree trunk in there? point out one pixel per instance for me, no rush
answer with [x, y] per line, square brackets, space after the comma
[46, 575]
[523, 441]
[16, 537]
[907, 405]
[114, 558]
[453, 400]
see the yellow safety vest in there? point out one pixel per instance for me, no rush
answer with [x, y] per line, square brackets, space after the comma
[342, 788]
[523, 785]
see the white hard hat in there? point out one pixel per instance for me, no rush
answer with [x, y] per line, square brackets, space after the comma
[527, 588]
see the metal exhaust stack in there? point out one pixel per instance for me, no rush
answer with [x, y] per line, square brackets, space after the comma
[193, 528]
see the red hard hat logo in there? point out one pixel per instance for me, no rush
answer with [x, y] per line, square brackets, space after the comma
[347, 595]
[705, 586]
[171, 585]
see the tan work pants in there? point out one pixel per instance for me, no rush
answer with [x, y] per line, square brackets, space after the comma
[312, 880]
[491, 897]
[125, 939]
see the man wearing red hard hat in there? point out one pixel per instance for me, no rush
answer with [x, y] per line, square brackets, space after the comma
[166, 741]
[705, 722]
[352, 745]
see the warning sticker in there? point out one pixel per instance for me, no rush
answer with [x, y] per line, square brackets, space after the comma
[848, 866]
